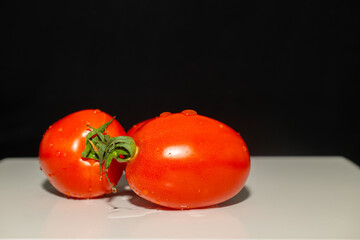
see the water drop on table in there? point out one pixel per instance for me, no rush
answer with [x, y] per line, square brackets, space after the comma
[131, 212]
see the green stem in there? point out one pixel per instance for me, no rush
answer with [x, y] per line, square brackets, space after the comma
[105, 149]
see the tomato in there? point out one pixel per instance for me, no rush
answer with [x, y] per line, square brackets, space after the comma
[185, 160]
[60, 155]
[137, 126]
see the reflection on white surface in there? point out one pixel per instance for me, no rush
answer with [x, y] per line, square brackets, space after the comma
[213, 222]
[178, 151]
[73, 218]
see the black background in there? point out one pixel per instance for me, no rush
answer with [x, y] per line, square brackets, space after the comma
[285, 74]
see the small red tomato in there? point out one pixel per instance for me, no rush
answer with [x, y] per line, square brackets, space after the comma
[60, 155]
[186, 160]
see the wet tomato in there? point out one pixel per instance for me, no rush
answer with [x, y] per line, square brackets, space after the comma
[185, 160]
[137, 126]
[60, 155]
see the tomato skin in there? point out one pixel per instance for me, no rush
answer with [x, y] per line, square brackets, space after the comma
[186, 160]
[136, 127]
[60, 155]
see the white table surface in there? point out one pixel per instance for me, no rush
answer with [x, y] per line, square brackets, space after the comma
[284, 197]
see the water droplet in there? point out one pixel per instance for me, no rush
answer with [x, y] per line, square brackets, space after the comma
[189, 112]
[90, 189]
[50, 126]
[131, 212]
[244, 148]
[65, 155]
[96, 111]
[51, 145]
[58, 154]
[221, 126]
[60, 129]
[165, 114]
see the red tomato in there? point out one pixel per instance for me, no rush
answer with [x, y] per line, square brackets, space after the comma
[137, 126]
[185, 160]
[60, 155]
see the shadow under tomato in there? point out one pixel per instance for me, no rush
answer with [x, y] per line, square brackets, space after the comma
[46, 185]
[238, 198]
[123, 190]
[134, 199]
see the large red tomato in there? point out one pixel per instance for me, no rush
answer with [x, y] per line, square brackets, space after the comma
[134, 128]
[60, 155]
[186, 160]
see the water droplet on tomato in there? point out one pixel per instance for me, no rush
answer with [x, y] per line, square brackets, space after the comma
[244, 148]
[189, 112]
[60, 129]
[96, 111]
[65, 155]
[58, 154]
[90, 189]
[50, 126]
[221, 126]
[51, 145]
[165, 114]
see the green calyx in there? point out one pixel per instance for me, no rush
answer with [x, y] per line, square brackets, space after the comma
[103, 148]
